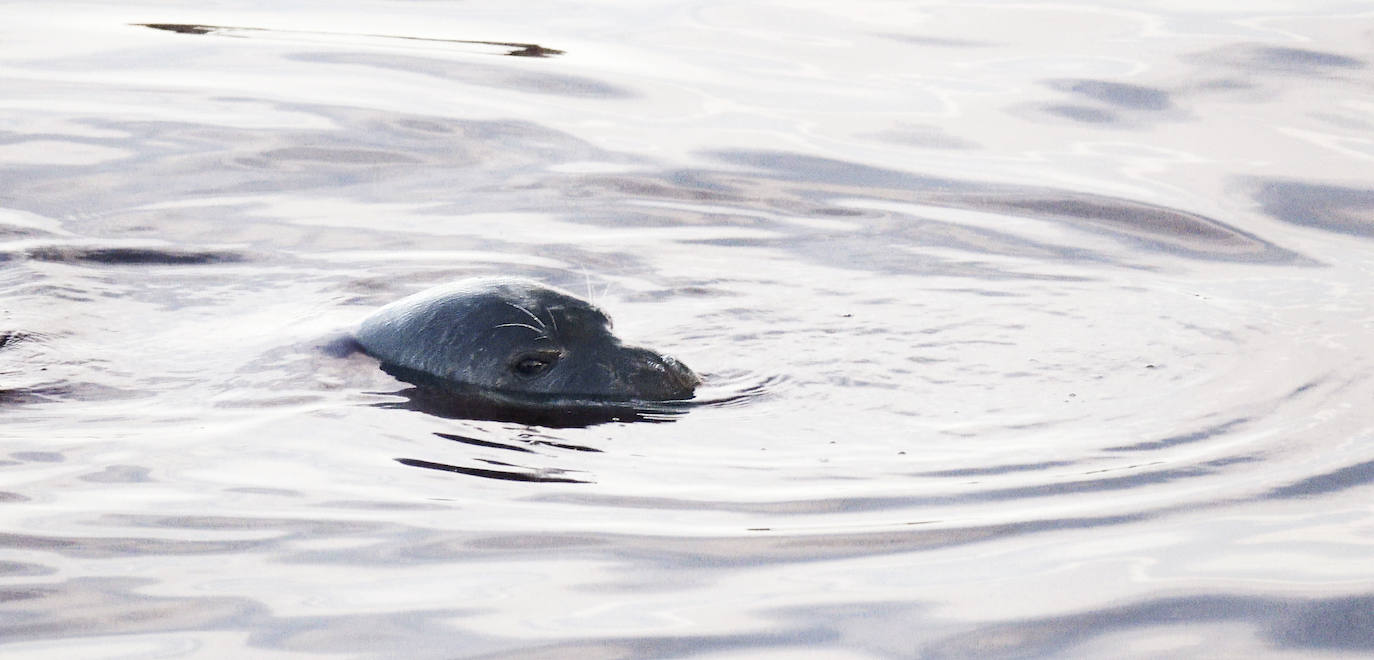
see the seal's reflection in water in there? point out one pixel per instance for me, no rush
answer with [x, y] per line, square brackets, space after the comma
[464, 401]
[455, 401]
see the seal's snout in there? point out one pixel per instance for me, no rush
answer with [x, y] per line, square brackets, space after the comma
[657, 377]
[684, 379]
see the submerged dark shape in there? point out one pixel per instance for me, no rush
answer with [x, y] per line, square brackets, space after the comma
[516, 350]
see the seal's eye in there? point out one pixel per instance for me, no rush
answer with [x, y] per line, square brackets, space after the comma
[534, 364]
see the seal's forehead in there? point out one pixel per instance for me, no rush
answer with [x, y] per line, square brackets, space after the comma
[515, 301]
[581, 315]
[544, 309]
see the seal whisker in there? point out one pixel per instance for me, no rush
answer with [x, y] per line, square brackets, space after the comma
[552, 320]
[539, 331]
[528, 313]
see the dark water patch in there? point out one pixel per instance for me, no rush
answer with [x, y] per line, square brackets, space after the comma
[47, 393]
[450, 167]
[514, 49]
[91, 547]
[1255, 58]
[1122, 95]
[673, 186]
[1353, 476]
[1307, 59]
[798, 167]
[1233, 460]
[1226, 85]
[1316, 624]
[1081, 113]
[38, 456]
[119, 474]
[20, 569]
[7, 497]
[9, 339]
[131, 256]
[542, 476]
[472, 73]
[55, 392]
[1337, 209]
[336, 156]
[1183, 438]
[1146, 226]
[9, 231]
[178, 28]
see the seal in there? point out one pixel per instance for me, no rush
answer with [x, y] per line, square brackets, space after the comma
[517, 343]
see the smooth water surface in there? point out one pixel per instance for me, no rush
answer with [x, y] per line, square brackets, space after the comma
[1027, 329]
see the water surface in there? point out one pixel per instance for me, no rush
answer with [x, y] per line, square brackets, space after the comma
[1035, 330]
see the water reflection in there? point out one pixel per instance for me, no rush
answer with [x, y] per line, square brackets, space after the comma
[509, 473]
[1339, 209]
[1123, 95]
[520, 50]
[470, 73]
[1255, 59]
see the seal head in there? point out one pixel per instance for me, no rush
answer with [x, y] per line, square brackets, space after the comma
[517, 342]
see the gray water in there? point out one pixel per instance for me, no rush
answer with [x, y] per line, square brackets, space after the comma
[1032, 329]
